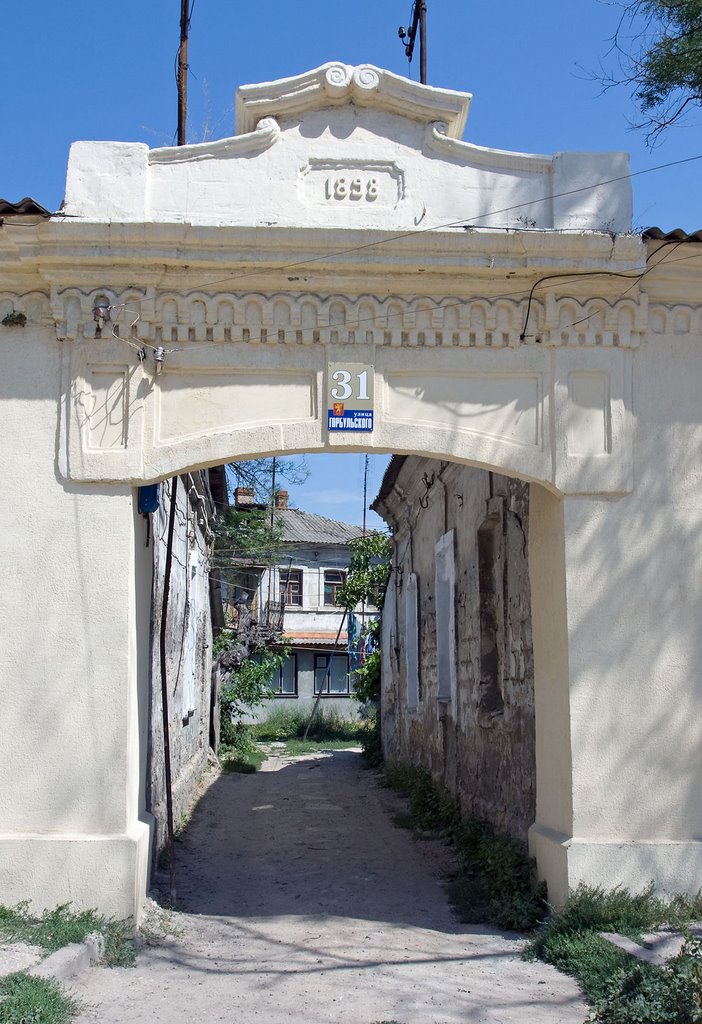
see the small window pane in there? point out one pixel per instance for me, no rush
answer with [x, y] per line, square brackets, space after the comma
[333, 679]
[291, 587]
[334, 579]
[287, 676]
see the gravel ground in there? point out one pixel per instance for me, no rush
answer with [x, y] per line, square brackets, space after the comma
[300, 901]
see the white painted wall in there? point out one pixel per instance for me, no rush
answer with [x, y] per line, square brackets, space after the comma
[597, 402]
[74, 661]
[344, 147]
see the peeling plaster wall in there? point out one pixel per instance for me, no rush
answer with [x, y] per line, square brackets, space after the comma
[479, 743]
[189, 652]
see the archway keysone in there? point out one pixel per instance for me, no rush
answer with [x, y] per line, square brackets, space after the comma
[184, 311]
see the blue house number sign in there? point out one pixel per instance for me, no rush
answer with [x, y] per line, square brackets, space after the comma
[350, 396]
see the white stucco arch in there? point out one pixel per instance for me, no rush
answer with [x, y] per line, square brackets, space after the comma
[516, 348]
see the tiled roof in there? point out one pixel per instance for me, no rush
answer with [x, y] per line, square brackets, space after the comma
[24, 208]
[306, 527]
[676, 235]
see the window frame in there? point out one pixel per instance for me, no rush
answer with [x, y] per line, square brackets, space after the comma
[335, 586]
[279, 692]
[320, 662]
[445, 588]
[412, 646]
[287, 578]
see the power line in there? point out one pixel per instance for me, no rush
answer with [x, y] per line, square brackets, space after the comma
[464, 222]
[522, 293]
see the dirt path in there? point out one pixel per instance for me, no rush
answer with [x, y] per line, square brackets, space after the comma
[300, 901]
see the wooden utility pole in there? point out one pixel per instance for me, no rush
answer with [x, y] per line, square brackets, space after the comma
[182, 74]
[419, 21]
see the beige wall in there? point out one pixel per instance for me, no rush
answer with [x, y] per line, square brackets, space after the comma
[74, 663]
[593, 399]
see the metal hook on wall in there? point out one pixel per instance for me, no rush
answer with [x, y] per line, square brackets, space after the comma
[428, 483]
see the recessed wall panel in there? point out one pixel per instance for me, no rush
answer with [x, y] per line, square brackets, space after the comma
[507, 407]
[195, 403]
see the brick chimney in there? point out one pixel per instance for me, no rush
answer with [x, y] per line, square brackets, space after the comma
[243, 497]
[281, 499]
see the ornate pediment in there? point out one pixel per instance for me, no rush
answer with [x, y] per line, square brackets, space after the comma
[336, 84]
[343, 147]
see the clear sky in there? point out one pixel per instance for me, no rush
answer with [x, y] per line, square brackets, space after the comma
[85, 70]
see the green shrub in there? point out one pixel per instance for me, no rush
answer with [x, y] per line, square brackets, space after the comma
[624, 990]
[643, 994]
[288, 724]
[247, 688]
[495, 882]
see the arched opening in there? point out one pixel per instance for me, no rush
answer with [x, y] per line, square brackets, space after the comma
[481, 663]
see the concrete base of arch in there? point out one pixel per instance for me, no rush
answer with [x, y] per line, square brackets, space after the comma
[566, 862]
[110, 872]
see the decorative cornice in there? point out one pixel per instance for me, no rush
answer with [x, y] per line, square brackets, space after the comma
[266, 133]
[195, 318]
[335, 84]
[437, 139]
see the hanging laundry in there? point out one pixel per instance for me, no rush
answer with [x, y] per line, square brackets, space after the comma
[354, 642]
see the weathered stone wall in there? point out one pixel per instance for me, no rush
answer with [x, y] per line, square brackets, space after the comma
[189, 650]
[478, 741]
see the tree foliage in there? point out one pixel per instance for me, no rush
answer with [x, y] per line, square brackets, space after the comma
[658, 44]
[368, 571]
[365, 583]
[247, 688]
[246, 533]
[258, 473]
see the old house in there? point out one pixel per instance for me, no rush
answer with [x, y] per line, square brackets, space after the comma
[298, 589]
[190, 700]
[458, 672]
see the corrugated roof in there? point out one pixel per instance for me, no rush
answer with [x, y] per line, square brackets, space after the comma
[24, 208]
[676, 235]
[306, 527]
[315, 640]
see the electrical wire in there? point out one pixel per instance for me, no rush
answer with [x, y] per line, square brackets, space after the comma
[464, 222]
[522, 293]
[634, 276]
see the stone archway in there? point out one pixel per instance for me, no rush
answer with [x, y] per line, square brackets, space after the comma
[186, 311]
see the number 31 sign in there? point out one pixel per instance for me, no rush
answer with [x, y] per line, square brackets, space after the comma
[349, 396]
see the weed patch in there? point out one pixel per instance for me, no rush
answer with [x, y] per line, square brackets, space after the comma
[245, 762]
[288, 724]
[621, 989]
[495, 883]
[293, 748]
[59, 927]
[240, 753]
[25, 999]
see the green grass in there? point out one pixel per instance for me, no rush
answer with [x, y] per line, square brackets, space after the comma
[288, 724]
[245, 762]
[294, 747]
[495, 882]
[28, 1000]
[59, 927]
[623, 990]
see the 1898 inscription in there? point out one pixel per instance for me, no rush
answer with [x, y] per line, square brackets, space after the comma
[334, 183]
[352, 188]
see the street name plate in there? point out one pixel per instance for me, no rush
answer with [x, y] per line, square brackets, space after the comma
[350, 395]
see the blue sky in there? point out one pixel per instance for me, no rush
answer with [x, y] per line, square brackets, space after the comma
[81, 70]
